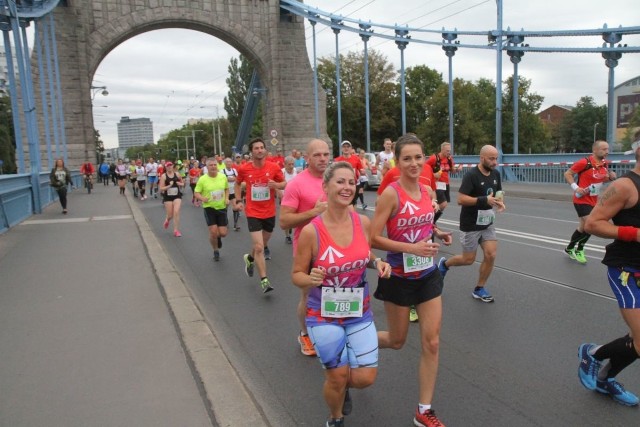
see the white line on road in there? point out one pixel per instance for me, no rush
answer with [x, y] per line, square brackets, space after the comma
[73, 220]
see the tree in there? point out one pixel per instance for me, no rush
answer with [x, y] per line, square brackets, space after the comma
[99, 144]
[577, 126]
[531, 135]
[383, 97]
[421, 82]
[473, 117]
[238, 82]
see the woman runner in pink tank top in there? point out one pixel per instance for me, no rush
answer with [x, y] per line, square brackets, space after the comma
[406, 209]
[331, 257]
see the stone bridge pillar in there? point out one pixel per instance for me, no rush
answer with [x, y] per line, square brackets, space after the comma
[87, 31]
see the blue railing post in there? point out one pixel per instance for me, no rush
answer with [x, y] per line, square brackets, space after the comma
[450, 50]
[336, 30]
[365, 38]
[401, 41]
[315, 80]
[13, 92]
[39, 34]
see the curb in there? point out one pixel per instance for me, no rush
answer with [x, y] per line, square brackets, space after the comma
[229, 400]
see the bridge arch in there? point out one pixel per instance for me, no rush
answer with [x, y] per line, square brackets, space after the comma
[273, 40]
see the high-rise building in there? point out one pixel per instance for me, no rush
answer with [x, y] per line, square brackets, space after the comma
[134, 132]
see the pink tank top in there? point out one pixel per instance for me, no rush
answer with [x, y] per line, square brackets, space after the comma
[345, 268]
[412, 222]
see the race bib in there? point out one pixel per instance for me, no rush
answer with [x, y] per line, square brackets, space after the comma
[595, 189]
[341, 302]
[412, 263]
[441, 185]
[172, 191]
[260, 194]
[217, 195]
[485, 217]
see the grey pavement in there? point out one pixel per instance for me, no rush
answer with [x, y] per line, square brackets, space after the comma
[98, 327]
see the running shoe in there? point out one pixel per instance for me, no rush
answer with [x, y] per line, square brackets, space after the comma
[579, 253]
[219, 242]
[248, 265]
[426, 419]
[165, 224]
[589, 367]
[216, 255]
[413, 315]
[482, 295]
[364, 207]
[347, 405]
[267, 253]
[614, 389]
[571, 252]
[335, 422]
[177, 233]
[265, 285]
[288, 240]
[306, 346]
[442, 267]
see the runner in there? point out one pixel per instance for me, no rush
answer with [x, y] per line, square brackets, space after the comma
[304, 199]
[407, 212]
[141, 179]
[194, 175]
[619, 204]
[592, 172]
[331, 257]
[212, 190]
[232, 173]
[351, 158]
[442, 165]
[387, 160]
[262, 179]
[122, 171]
[479, 194]
[152, 176]
[171, 185]
[289, 173]
[133, 178]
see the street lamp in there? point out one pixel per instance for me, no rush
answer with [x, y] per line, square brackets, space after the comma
[595, 126]
[97, 89]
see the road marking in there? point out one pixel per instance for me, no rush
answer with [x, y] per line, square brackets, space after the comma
[73, 220]
[529, 236]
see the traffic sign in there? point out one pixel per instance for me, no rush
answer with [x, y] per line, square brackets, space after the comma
[273, 133]
[274, 142]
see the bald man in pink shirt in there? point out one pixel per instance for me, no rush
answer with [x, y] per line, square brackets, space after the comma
[303, 200]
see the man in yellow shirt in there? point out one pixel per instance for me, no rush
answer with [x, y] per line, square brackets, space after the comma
[212, 190]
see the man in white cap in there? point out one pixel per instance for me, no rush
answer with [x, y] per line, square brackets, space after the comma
[349, 157]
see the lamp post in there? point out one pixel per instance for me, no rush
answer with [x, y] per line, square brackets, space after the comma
[595, 126]
[102, 89]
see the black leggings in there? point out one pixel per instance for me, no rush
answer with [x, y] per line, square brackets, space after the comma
[62, 194]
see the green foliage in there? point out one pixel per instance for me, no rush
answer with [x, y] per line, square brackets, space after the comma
[421, 82]
[531, 134]
[575, 132]
[384, 99]
[99, 145]
[240, 72]
[7, 137]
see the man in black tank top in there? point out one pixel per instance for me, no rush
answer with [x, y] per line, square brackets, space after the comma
[617, 216]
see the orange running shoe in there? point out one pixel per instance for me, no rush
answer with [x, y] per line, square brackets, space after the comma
[306, 347]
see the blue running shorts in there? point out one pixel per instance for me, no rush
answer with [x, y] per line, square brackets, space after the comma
[628, 295]
[338, 345]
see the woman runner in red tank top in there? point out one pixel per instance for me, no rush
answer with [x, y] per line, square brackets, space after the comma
[330, 260]
[406, 210]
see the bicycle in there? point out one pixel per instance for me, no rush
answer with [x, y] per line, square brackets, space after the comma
[87, 183]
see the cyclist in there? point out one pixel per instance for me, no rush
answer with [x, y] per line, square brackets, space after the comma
[87, 170]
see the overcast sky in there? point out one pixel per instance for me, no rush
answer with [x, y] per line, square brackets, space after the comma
[173, 75]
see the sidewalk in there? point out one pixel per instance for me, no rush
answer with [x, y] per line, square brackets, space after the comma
[95, 324]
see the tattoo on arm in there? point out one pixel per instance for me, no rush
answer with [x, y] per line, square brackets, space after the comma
[611, 191]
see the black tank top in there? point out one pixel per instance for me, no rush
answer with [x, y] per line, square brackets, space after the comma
[620, 253]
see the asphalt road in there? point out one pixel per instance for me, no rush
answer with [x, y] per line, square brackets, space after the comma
[510, 363]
